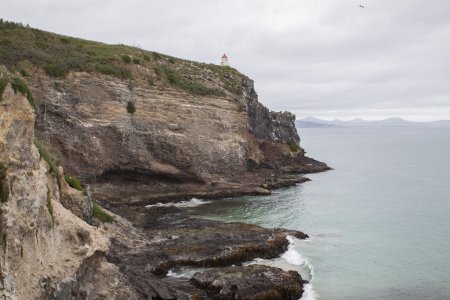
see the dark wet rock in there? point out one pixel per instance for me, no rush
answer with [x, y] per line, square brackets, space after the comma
[172, 239]
[250, 282]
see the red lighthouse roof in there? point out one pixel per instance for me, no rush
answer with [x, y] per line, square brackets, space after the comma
[224, 56]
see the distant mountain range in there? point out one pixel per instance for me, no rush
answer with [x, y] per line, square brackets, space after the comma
[311, 122]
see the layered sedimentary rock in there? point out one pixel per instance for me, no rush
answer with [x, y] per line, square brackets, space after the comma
[176, 143]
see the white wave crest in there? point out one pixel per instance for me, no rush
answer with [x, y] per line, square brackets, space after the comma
[191, 203]
[174, 274]
[308, 292]
[294, 257]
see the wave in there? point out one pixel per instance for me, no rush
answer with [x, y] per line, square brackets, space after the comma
[308, 292]
[293, 257]
[191, 203]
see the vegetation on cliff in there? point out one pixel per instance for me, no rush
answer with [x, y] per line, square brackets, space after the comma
[50, 157]
[100, 214]
[23, 47]
[74, 182]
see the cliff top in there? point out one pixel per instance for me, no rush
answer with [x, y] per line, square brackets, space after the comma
[24, 49]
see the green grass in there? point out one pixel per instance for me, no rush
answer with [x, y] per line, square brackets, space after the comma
[59, 55]
[20, 86]
[100, 214]
[50, 157]
[49, 205]
[293, 147]
[74, 182]
[173, 77]
[131, 108]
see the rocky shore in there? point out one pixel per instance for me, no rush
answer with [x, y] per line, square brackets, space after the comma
[84, 151]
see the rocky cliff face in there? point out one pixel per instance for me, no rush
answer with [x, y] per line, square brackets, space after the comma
[175, 143]
[42, 243]
[265, 124]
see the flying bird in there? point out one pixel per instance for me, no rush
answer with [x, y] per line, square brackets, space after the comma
[362, 6]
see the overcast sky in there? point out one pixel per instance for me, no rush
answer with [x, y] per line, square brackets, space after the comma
[323, 58]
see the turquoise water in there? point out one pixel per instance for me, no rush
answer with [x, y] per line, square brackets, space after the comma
[379, 222]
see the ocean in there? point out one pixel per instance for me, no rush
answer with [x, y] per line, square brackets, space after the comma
[379, 223]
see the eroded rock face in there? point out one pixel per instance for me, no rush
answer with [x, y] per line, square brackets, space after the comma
[175, 143]
[266, 124]
[41, 242]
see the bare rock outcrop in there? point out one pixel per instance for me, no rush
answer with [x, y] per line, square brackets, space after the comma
[250, 282]
[41, 242]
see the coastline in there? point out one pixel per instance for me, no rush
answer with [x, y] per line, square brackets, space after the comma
[158, 240]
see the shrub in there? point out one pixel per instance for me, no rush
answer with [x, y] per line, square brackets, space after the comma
[56, 69]
[172, 60]
[20, 86]
[173, 78]
[100, 214]
[146, 57]
[64, 40]
[293, 147]
[50, 157]
[74, 182]
[136, 61]
[126, 58]
[131, 109]
[156, 55]
[107, 69]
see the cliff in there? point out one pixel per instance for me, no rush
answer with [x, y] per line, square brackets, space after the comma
[137, 127]
[119, 116]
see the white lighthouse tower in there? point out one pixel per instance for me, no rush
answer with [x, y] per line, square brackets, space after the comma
[224, 61]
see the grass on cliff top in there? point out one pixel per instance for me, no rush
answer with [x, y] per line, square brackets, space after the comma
[174, 78]
[58, 55]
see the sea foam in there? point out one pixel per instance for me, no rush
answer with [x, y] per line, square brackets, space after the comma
[293, 257]
[191, 203]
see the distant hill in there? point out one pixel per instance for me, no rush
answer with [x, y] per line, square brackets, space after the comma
[311, 122]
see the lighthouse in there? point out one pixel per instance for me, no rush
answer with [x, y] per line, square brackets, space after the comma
[224, 61]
